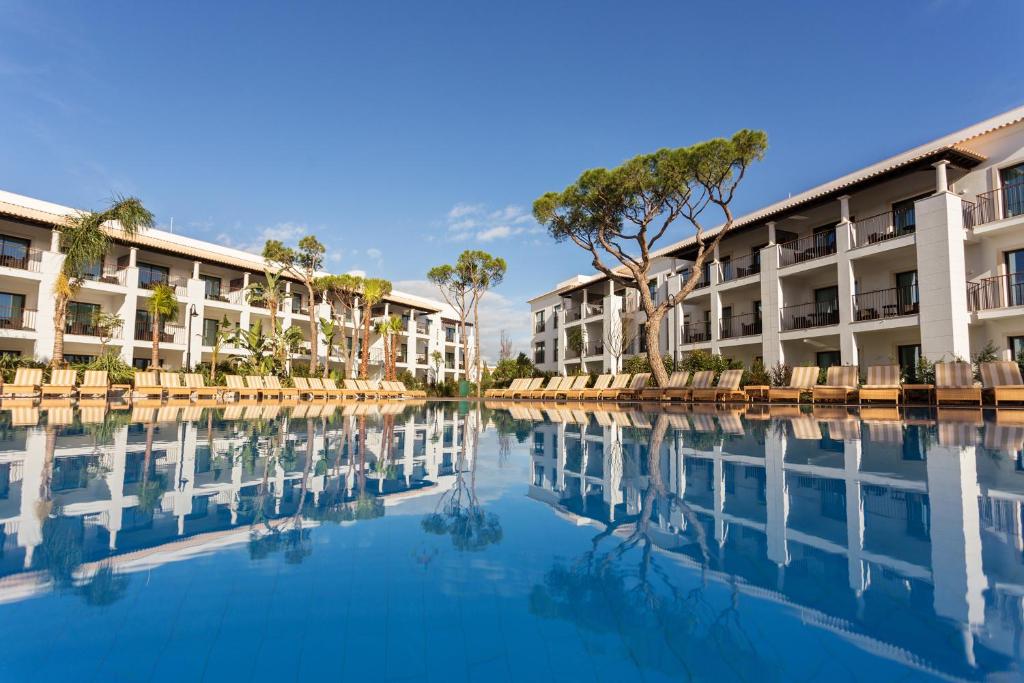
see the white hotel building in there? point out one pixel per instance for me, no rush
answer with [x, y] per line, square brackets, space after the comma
[210, 281]
[918, 254]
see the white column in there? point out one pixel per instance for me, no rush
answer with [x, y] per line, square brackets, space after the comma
[716, 304]
[771, 301]
[941, 182]
[846, 286]
[942, 277]
[718, 472]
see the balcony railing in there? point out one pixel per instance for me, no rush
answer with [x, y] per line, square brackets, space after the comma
[538, 327]
[735, 326]
[573, 314]
[697, 332]
[590, 310]
[179, 285]
[886, 303]
[741, 267]
[109, 276]
[807, 248]
[86, 329]
[422, 329]
[884, 226]
[12, 318]
[171, 334]
[23, 259]
[970, 213]
[684, 277]
[1002, 291]
[805, 316]
[594, 349]
[1004, 202]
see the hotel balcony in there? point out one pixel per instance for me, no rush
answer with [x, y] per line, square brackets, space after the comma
[582, 312]
[737, 326]
[990, 293]
[27, 258]
[886, 303]
[995, 205]
[697, 332]
[108, 276]
[171, 334]
[736, 269]
[179, 285]
[18, 319]
[684, 277]
[84, 329]
[807, 248]
[593, 349]
[884, 226]
[806, 316]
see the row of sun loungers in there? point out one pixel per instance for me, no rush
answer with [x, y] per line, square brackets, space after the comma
[954, 383]
[28, 383]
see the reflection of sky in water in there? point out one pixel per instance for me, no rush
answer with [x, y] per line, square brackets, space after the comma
[497, 544]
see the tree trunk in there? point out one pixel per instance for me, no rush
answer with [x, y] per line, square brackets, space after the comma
[652, 331]
[60, 316]
[327, 359]
[314, 343]
[476, 346]
[154, 360]
[465, 348]
[364, 360]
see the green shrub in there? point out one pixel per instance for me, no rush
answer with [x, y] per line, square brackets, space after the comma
[987, 354]
[700, 360]
[409, 380]
[756, 375]
[923, 372]
[118, 371]
[640, 363]
[780, 374]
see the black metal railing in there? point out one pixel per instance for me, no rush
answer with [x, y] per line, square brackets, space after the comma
[807, 248]
[573, 314]
[684, 277]
[22, 259]
[15, 318]
[697, 332]
[109, 276]
[743, 266]
[1002, 291]
[740, 326]
[594, 349]
[86, 329]
[805, 316]
[1004, 202]
[171, 334]
[886, 303]
[179, 285]
[970, 213]
[884, 226]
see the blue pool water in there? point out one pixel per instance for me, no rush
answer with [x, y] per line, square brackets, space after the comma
[458, 542]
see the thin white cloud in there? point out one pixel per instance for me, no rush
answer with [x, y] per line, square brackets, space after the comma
[476, 222]
[285, 232]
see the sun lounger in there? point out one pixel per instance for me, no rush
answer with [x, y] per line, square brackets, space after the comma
[332, 390]
[24, 416]
[27, 382]
[954, 383]
[840, 384]
[307, 390]
[600, 384]
[728, 389]
[146, 385]
[533, 384]
[62, 383]
[802, 381]
[553, 383]
[256, 383]
[677, 381]
[1002, 381]
[411, 393]
[578, 384]
[273, 382]
[883, 384]
[95, 383]
[237, 388]
[500, 392]
[556, 386]
[632, 391]
[172, 386]
[196, 382]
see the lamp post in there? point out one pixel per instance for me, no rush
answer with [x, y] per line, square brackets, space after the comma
[192, 313]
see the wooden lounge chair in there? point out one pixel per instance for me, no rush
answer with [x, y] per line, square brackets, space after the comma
[273, 382]
[553, 383]
[62, 383]
[516, 385]
[600, 384]
[701, 380]
[236, 387]
[554, 387]
[954, 383]
[1002, 381]
[578, 384]
[145, 385]
[534, 384]
[95, 383]
[255, 382]
[883, 384]
[196, 382]
[840, 384]
[171, 383]
[677, 380]
[728, 389]
[632, 391]
[27, 382]
[332, 390]
[308, 390]
[802, 381]
[411, 393]
[500, 391]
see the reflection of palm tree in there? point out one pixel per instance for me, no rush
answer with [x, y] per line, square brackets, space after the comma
[150, 492]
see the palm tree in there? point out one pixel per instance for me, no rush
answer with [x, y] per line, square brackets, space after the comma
[383, 330]
[374, 290]
[226, 334]
[329, 329]
[343, 291]
[84, 240]
[270, 294]
[258, 358]
[395, 326]
[163, 307]
[107, 325]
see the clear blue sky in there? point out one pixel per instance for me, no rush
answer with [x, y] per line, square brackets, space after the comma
[403, 133]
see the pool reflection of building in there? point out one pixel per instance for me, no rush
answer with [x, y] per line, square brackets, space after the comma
[905, 536]
[212, 468]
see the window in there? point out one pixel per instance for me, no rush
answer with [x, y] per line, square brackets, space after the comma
[81, 318]
[14, 252]
[212, 285]
[757, 311]
[554, 317]
[903, 220]
[1012, 181]
[78, 358]
[12, 311]
[652, 287]
[725, 266]
[296, 303]
[826, 359]
[908, 356]
[449, 360]
[755, 258]
[906, 293]
[1016, 346]
[93, 271]
[826, 305]
[538, 322]
[210, 329]
[140, 363]
[150, 275]
[538, 353]
[1015, 277]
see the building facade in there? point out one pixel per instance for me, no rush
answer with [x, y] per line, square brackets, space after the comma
[921, 254]
[211, 282]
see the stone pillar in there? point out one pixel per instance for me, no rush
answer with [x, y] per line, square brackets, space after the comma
[941, 182]
[715, 300]
[846, 285]
[115, 483]
[942, 277]
[771, 300]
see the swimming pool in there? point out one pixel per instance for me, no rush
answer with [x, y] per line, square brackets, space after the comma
[500, 541]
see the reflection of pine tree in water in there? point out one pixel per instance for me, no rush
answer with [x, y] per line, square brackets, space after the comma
[624, 590]
[458, 512]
